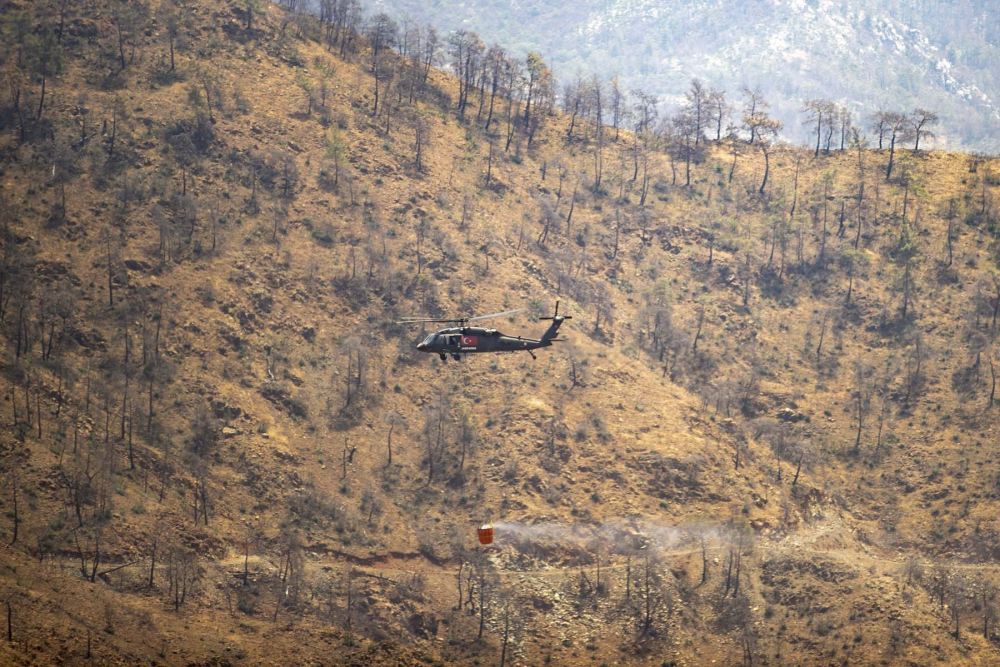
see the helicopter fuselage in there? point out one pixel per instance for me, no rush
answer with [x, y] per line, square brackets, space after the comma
[464, 339]
[472, 340]
[457, 341]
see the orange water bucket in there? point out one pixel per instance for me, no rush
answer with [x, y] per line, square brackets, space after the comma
[485, 532]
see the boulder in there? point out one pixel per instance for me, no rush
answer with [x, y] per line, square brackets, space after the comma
[789, 415]
[423, 624]
[225, 411]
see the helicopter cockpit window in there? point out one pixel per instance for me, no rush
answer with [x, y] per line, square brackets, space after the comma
[429, 340]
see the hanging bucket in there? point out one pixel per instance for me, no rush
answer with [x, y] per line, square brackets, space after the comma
[485, 533]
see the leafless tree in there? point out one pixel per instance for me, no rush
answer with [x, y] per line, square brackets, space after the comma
[958, 589]
[604, 307]
[482, 590]
[511, 621]
[720, 110]
[394, 421]
[921, 120]
[821, 111]
[897, 127]
[988, 593]
[421, 139]
[861, 397]
[650, 599]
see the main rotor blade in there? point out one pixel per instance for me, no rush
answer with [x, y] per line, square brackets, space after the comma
[491, 315]
[422, 321]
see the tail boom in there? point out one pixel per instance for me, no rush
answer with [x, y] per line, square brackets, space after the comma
[553, 330]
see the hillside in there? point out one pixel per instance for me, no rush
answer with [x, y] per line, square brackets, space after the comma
[211, 219]
[863, 55]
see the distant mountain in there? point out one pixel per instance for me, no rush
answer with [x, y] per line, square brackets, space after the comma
[901, 54]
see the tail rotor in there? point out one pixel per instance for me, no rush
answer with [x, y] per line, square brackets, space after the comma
[556, 317]
[553, 330]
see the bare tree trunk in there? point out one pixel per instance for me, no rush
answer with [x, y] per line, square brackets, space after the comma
[993, 377]
[111, 292]
[767, 170]
[152, 563]
[628, 576]
[482, 599]
[17, 519]
[506, 633]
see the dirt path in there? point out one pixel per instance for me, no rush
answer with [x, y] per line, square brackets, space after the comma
[829, 538]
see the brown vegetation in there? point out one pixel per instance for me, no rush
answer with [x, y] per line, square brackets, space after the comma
[217, 448]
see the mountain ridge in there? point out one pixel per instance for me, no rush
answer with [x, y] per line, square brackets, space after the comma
[795, 50]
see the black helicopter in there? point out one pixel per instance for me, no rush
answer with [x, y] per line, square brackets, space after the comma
[463, 339]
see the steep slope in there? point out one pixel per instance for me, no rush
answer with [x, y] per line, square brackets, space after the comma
[204, 339]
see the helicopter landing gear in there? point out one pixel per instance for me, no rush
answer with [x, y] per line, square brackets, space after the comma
[443, 356]
[456, 357]
[532, 354]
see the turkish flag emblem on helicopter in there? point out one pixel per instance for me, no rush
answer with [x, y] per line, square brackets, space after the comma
[470, 341]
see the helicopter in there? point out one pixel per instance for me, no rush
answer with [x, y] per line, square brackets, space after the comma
[463, 339]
